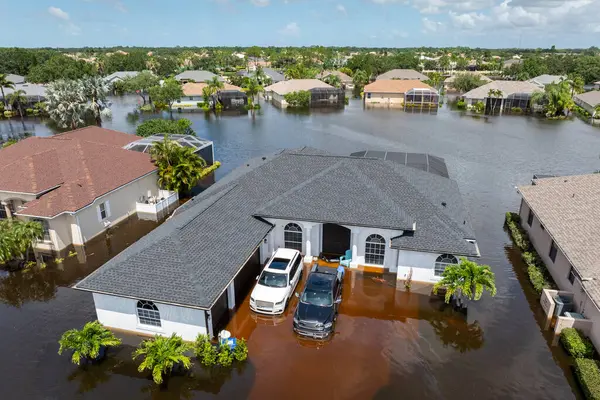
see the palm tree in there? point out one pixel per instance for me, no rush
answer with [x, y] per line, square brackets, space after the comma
[88, 343]
[161, 355]
[179, 168]
[17, 237]
[576, 83]
[252, 87]
[467, 279]
[555, 99]
[495, 94]
[67, 104]
[333, 80]
[95, 90]
[19, 98]
[5, 83]
[215, 84]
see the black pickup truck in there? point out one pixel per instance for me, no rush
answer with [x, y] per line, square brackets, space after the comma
[318, 306]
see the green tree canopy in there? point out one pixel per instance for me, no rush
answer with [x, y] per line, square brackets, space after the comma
[141, 84]
[60, 67]
[158, 126]
[167, 93]
[5, 83]
[465, 82]
[556, 99]
[299, 99]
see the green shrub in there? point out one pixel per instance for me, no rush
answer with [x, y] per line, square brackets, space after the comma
[8, 114]
[346, 100]
[516, 109]
[147, 108]
[159, 125]
[29, 111]
[479, 107]
[461, 104]
[218, 107]
[225, 357]
[240, 353]
[576, 343]
[299, 99]
[588, 374]
[537, 278]
[205, 352]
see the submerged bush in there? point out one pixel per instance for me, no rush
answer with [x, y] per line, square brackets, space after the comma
[588, 374]
[576, 343]
[240, 353]
[461, 104]
[225, 357]
[205, 352]
[87, 342]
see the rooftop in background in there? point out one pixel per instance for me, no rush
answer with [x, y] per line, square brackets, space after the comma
[507, 88]
[120, 75]
[343, 77]
[545, 79]
[568, 208]
[196, 76]
[479, 74]
[144, 144]
[424, 162]
[294, 85]
[395, 86]
[192, 257]
[15, 78]
[69, 171]
[592, 98]
[409, 74]
[33, 90]
[195, 88]
[275, 76]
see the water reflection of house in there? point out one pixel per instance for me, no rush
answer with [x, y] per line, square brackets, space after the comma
[560, 215]
[184, 276]
[75, 184]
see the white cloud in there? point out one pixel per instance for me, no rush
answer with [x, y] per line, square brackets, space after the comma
[430, 26]
[341, 9]
[260, 3]
[58, 13]
[399, 34]
[120, 6]
[291, 29]
[468, 21]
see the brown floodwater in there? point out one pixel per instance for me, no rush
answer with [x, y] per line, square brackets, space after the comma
[389, 344]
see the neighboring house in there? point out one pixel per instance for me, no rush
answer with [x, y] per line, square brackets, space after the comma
[406, 74]
[184, 276]
[346, 80]
[193, 95]
[395, 93]
[509, 63]
[277, 91]
[76, 184]
[272, 74]
[588, 100]
[254, 64]
[561, 217]
[596, 85]
[544, 80]
[33, 91]
[514, 94]
[15, 78]
[450, 81]
[195, 76]
[119, 76]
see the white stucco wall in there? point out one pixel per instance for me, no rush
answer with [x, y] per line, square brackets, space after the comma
[278, 100]
[188, 102]
[384, 99]
[120, 313]
[422, 265]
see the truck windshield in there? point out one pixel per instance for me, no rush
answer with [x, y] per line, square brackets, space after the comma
[273, 280]
[317, 298]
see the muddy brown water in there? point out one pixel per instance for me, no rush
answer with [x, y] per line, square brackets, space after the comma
[388, 344]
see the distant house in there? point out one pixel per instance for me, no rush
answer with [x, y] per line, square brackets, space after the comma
[276, 92]
[346, 80]
[119, 76]
[588, 100]
[448, 83]
[272, 74]
[33, 91]
[395, 93]
[15, 78]
[545, 79]
[76, 184]
[254, 64]
[184, 276]
[193, 95]
[514, 94]
[509, 63]
[560, 214]
[596, 85]
[403, 74]
[195, 76]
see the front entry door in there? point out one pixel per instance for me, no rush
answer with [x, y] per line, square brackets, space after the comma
[336, 239]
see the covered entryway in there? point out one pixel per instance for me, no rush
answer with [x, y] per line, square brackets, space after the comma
[336, 240]
[246, 278]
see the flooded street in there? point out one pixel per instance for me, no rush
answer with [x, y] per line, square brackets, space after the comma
[389, 344]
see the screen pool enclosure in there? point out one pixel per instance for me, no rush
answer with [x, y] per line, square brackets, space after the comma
[232, 99]
[421, 97]
[424, 162]
[327, 97]
[202, 147]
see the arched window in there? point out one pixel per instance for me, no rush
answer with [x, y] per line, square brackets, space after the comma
[148, 313]
[292, 236]
[375, 250]
[442, 262]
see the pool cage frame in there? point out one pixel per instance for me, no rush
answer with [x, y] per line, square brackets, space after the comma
[327, 98]
[421, 98]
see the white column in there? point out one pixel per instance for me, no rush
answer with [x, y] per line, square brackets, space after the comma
[231, 296]
[308, 254]
[7, 210]
[354, 242]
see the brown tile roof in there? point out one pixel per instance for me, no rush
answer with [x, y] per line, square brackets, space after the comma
[395, 86]
[84, 164]
[195, 88]
[569, 208]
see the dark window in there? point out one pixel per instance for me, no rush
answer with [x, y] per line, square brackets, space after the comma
[148, 313]
[46, 229]
[530, 218]
[442, 262]
[103, 212]
[552, 253]
[292, 237]
[294, 268]
[375, 250]
[571, 275]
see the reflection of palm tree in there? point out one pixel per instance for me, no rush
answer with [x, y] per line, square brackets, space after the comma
[458, 334]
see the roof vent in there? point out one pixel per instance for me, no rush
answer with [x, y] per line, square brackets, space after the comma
[444, 203]
[247, 165]
[264, 158]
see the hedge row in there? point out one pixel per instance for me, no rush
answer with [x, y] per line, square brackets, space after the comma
[536, 270]
[588, 374]
[576, 343]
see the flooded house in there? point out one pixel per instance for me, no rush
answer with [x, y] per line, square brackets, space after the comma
[382, 213]
[76, 184]
[397, 93]
[193, 97]
[276, 92]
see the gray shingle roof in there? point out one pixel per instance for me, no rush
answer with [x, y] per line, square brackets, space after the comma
[192, 257]
[507, 88]
[120, 75]
[33, 90]
[196, 76]
[546, 79]
[14, 78]
[409, 74]
[592, 98]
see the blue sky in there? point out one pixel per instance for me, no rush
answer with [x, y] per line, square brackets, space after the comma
[370, 23]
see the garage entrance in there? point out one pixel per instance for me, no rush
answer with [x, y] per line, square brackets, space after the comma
[336, 240]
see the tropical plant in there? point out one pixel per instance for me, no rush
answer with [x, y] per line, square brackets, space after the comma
[435, 79]
[95, 91]
[161, 354]
[155, 126]
[576, 83]
[576, 343]
[179, 168]
[141, 84]
[5, 83]
[555, 100]
[333, 80]
[214, 84]
[360, 78]
[464, 82]
[16, 238]
[253, 88]
[67, 103]
[9, 142]
[467, 279]
[19, 98]
[240, 352]
[225, 356]
[299, 99]
[167, 93]
[300, 71]
[88, 342]
[494, 94]
[205, 352]
[479, 107]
